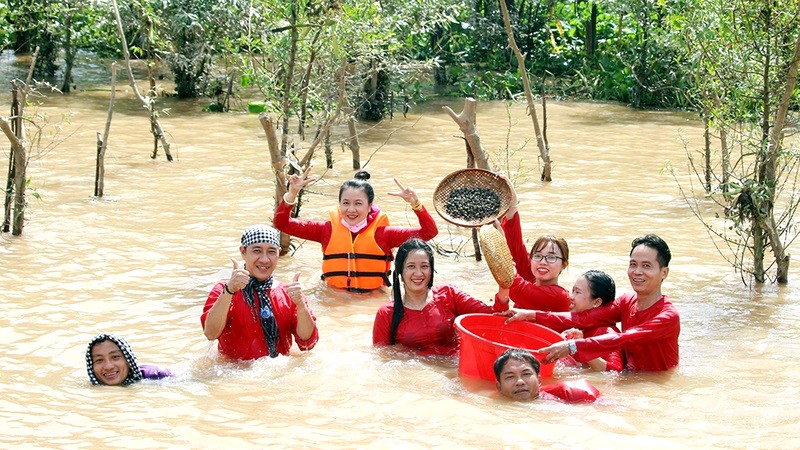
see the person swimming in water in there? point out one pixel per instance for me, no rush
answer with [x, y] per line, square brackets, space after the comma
[111, 362]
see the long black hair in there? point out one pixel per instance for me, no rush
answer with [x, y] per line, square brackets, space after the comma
[400, 261]
[359, 181]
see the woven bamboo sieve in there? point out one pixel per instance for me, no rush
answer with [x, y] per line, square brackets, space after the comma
[498, 256]
[472, 178]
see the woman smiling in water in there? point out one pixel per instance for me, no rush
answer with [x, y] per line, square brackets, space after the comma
[110, 361]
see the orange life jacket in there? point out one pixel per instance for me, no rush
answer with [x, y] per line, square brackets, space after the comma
[355, 264]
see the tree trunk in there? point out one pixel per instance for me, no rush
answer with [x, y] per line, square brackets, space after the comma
[355, 147]
[20, 164]
[466, 123]
[590, 32]
[102, 142]
[69, 53]
[278, 162]
[328, 151]
[707, 149]
[544, 152]
[16, 121]
[774, 150]
[758, 254]
[148, 103]
[287, 83]
[16, 130]
[301, 126]
[475, 153]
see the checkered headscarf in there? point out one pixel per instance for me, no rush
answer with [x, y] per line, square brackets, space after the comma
[261, 234]
[134, 374]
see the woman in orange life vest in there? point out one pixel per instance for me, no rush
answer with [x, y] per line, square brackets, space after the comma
[357, 240]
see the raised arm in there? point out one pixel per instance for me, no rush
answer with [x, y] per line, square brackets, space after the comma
[512, 229]
[305, 323]
[218, 304]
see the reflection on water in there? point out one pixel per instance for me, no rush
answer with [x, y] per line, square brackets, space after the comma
[140, 262]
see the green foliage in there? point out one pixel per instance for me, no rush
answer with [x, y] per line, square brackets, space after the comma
[739, 55]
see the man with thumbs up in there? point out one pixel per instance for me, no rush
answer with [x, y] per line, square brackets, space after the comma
[252, 315]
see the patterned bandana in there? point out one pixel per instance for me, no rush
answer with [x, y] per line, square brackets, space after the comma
[264, 315]
[134, 374]
[257, 234]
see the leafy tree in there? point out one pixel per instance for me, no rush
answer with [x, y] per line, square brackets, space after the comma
[746, 55]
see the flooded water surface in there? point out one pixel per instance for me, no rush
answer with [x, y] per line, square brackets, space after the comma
[140, 262]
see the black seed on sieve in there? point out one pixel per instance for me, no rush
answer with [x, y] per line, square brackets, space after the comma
[472, 203]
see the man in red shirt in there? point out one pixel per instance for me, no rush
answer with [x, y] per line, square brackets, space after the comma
[650, 323]
[250, 314]
[517, 373]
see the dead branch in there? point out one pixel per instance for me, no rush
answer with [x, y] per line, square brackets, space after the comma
[147, 102]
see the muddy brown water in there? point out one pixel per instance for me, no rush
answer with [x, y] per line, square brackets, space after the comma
[140, 262]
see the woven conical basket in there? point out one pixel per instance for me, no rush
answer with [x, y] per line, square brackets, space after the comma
[498, 256]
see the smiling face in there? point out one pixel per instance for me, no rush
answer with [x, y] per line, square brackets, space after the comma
[109, 364]
[518, 380]
[416, 271]
[260, 259]
[354, 205]
[580, 299]
[547, 273]
[644, 271]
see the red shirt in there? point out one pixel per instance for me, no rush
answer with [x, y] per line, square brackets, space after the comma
[570, 391]
[387, 237]
[527, 295]
[649, 338]
[524, 292]
[522, 261]
[431, 330]
[613, 359]
[243, 337]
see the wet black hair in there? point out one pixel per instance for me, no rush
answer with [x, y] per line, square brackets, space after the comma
[601, 285]
[518, 354]
[400, 261]
[359, 181]
[663, 255]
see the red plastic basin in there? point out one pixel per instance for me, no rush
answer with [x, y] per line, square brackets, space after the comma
[484, 337]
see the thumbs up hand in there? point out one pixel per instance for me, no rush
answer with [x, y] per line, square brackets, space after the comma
[239, 277]
[296, 291]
